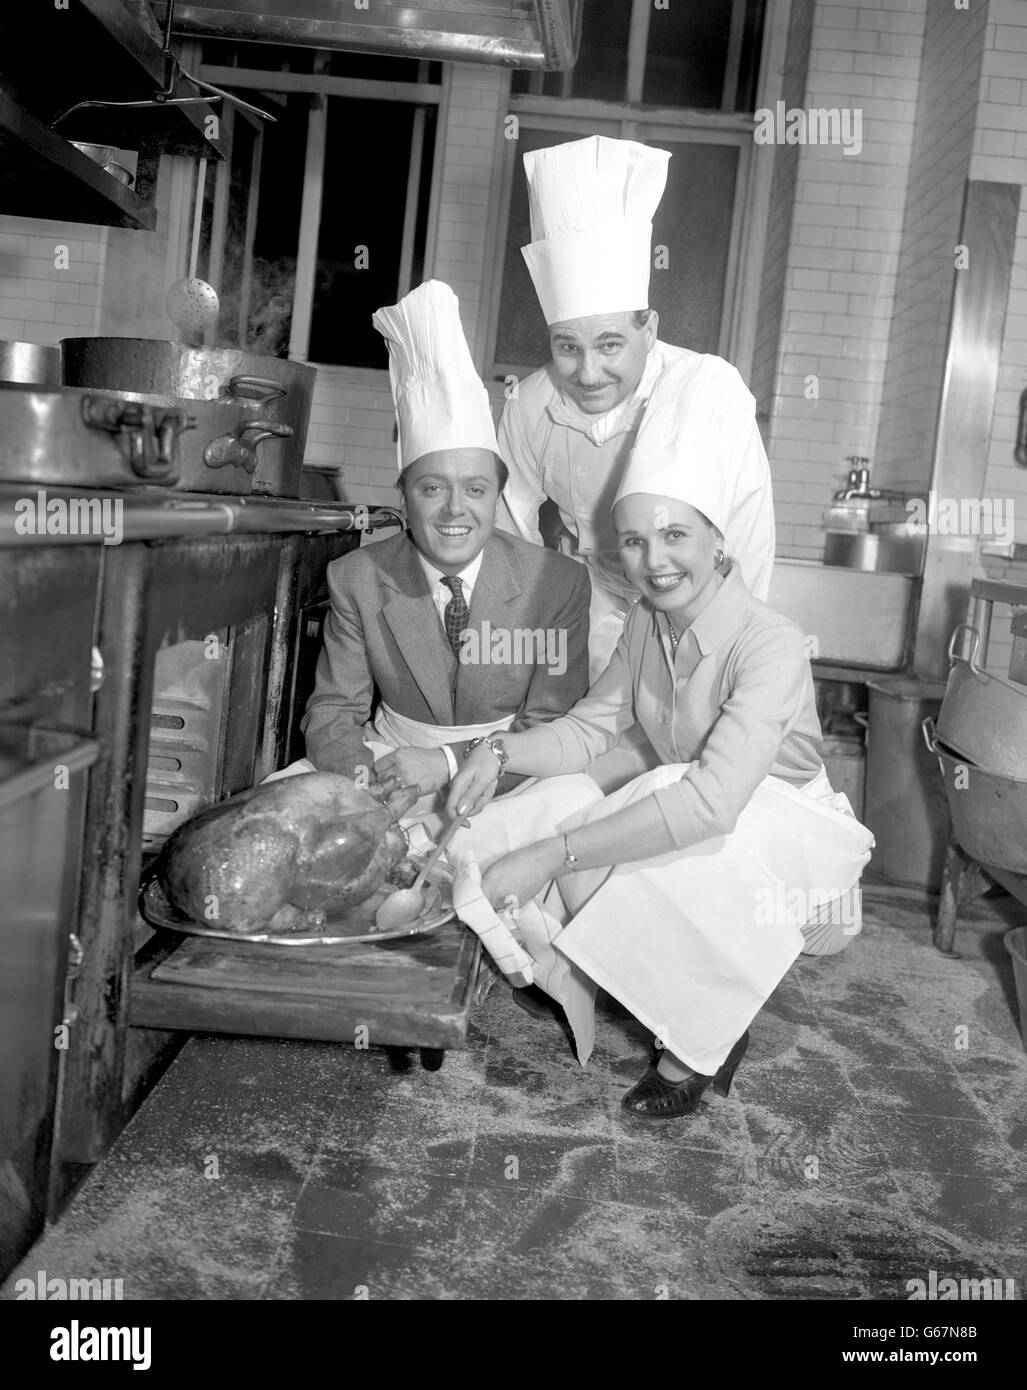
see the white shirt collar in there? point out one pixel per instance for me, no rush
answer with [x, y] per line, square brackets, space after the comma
[619, 419]
[469, 575]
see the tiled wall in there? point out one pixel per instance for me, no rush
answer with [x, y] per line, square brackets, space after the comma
[949, 80]
[473, 119]
[842, 260]
[40, 303]
[139, 268]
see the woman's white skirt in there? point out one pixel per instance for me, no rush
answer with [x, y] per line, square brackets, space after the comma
[693, 942]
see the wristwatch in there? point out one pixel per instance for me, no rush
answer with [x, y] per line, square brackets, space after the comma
[493, 742]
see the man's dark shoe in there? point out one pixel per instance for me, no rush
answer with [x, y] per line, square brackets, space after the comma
[537, 1002]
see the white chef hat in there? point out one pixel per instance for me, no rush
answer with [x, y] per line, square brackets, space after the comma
[684, 444]
[592, 204]
[440, 400]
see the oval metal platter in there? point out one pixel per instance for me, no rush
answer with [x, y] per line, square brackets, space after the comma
[347, 929]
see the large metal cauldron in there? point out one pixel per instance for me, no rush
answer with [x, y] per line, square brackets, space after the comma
[989, 811]
[119, 439]
[984, 718]
[269, 387]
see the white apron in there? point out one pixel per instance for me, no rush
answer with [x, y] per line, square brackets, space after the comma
[694, 942]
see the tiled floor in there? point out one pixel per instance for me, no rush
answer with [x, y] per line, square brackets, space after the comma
[876, 1131]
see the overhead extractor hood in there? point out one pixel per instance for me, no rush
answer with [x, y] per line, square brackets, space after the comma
[512, 33]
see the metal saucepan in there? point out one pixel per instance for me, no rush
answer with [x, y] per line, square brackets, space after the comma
[270, 388]
[32, 364]
[74, 438]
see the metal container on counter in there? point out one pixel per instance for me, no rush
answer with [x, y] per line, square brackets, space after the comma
[31, 364]
[119, 439]
[269, 388]
[905, 806]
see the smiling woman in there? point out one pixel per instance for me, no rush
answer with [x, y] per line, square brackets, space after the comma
[672, 553]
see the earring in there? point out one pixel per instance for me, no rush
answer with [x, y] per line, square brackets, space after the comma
[718, 559]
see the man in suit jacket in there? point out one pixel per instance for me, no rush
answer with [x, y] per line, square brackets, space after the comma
[384, 636]
[457, 629]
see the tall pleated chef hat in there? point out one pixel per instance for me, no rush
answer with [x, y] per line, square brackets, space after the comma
[685, 440]
[592, 204]
[440, 400]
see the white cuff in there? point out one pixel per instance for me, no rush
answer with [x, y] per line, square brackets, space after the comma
[451, 760]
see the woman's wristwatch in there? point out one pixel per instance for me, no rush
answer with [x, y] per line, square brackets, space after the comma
[495, 744]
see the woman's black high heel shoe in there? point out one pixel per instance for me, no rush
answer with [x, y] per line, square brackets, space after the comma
[658, 1099]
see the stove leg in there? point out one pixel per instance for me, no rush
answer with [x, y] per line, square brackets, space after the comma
[962, 881]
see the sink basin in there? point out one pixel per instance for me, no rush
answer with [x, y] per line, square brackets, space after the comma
[853, 617]
[890, 547]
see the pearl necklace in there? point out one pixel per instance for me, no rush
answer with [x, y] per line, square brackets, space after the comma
[675, 637]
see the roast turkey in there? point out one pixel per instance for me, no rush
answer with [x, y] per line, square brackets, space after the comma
[283, 857]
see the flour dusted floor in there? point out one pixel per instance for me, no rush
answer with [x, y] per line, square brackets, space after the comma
[876, 1132]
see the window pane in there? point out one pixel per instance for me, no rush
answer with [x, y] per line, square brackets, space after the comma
[694, 222]
[267, 57]
[687, 54]
[227, 331]
[372, 66]
[749, 59]
[278, 228]
[602, 67]
[361, 208]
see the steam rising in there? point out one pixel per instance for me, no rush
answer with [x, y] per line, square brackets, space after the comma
[269, 306]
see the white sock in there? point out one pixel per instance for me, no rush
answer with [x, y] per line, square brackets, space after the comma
[671, 1068]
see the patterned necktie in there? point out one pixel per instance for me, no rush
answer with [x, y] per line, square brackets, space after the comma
[456, 611]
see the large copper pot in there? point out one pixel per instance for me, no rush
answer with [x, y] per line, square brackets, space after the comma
[270, 388]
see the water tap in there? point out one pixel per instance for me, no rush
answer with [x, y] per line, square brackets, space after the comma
[858, 484]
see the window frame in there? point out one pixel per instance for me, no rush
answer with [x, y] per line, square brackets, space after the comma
[318, 86]
[581, 117]
[651, 127]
